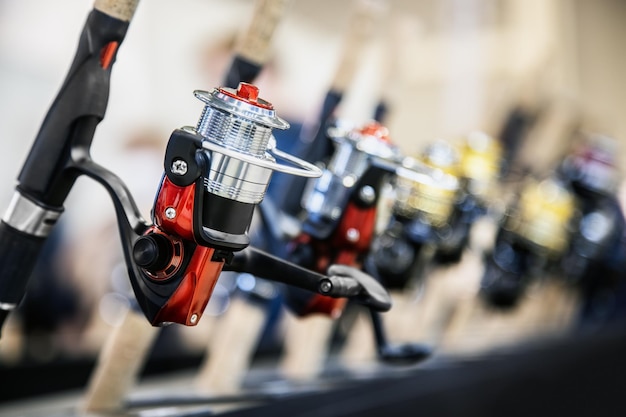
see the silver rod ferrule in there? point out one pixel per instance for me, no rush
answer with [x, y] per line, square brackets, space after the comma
[28, 217]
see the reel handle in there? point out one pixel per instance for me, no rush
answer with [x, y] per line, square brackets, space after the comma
[340, 282]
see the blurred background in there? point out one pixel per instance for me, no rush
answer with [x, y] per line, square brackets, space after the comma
[445, 68]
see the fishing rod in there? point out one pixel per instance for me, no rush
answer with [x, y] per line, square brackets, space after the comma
[215, 175]
[116, 372]
[398, 33]
[341, 209]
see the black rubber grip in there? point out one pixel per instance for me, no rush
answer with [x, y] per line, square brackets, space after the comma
[18, 256]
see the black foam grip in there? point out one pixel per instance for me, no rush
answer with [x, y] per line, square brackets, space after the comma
[18, 256]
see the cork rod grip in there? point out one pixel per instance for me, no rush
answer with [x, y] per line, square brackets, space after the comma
[360, 29]
[119, 9]
[230, 352]
[254, 43]
[119, 364]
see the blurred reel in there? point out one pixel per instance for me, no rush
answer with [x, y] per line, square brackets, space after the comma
[534, 236]
[356, 150]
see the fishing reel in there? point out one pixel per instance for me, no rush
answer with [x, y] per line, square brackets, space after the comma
[340, 208]
[215, 175]
[478, 173]
[596, 258]
[423, 216]
[533, 237]
[571, 222]
[423, 205]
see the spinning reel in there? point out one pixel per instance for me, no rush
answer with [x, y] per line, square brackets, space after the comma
[533, 235]
[215, 175]
[424, 203]
[341, 208]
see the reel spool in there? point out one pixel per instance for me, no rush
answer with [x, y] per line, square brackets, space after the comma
[237, 129]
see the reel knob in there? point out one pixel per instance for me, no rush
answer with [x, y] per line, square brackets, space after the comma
[153, 252]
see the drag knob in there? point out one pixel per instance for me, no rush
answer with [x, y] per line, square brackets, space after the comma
[153, 252]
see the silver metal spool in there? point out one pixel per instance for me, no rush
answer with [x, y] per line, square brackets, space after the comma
[238, 133]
